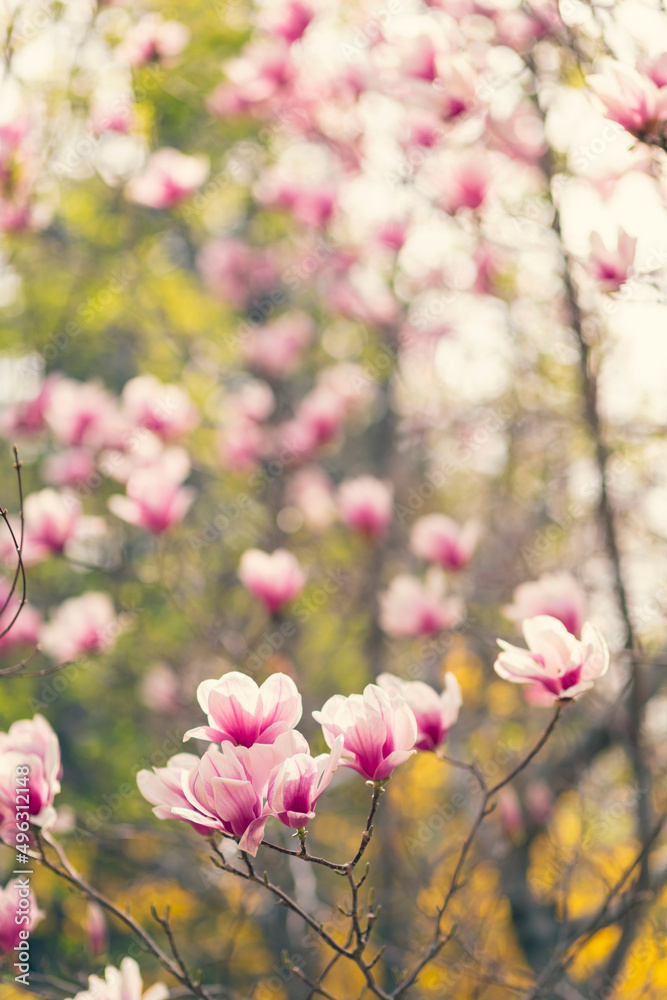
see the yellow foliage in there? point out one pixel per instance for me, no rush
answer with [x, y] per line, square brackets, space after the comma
[594, 952]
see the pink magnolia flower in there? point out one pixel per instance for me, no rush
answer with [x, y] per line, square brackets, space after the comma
[290, 20]
[379, 732]
[611, 268]
[29, 743]
[241, 713]
[411, 608]
[25, 627]
[97, 933]
[274, 579]
[13, 900]
[169, 177]
[166, 410]
[227, 792]
[631, 99]
[241, 443]
[29, 416]
[435, 713]
[153, 39]
[276, 349]
[392, 234]
[296, 785]
[163, 787]
[440, 540]
[235, 272]
[310, 491]
[322, 413]
[561, 664]
[466, 185]
[85, 624]
[156, 500]
[456, 85]
[51, 521]
[365, 504]
[71, 467]
[555, 594]
[80, 413]
[124, 983]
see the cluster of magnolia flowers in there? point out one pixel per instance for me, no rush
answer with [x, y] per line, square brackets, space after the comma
[261, 767]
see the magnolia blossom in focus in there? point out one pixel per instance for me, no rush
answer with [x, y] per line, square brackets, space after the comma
[168, 178]
[163, 787]
[555, 594]
[435, 713]
[124, 983]
[440, 540]
[31, 743]
[411, 608]
[241, 713]
[156, 500]
[555, 660]
[165, 410]
[85, 624]
[379, 732]
[274, 579]
[365, 504]
[153, 39]
[631, 99]
[10, 906]
[296, 785]
[611, 268]
[227, 791]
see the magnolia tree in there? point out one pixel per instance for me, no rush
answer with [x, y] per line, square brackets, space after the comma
[332, 611]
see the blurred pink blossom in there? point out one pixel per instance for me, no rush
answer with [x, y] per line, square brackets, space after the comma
[631, 99]
[51, 521]
[556, 594]
[153, 40]
[166, 410]
[81, 413]
[25, 630]
[289, 20]
[12, 902]
[274, 579]
[71, 467]
[435, 713]
[365, 504]
[97, 933]
[168, 178]
[440, 540]
[236, 272]
[611, 268]
[156, 500]
[410, 608]
[85, 624]
[276, 349]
